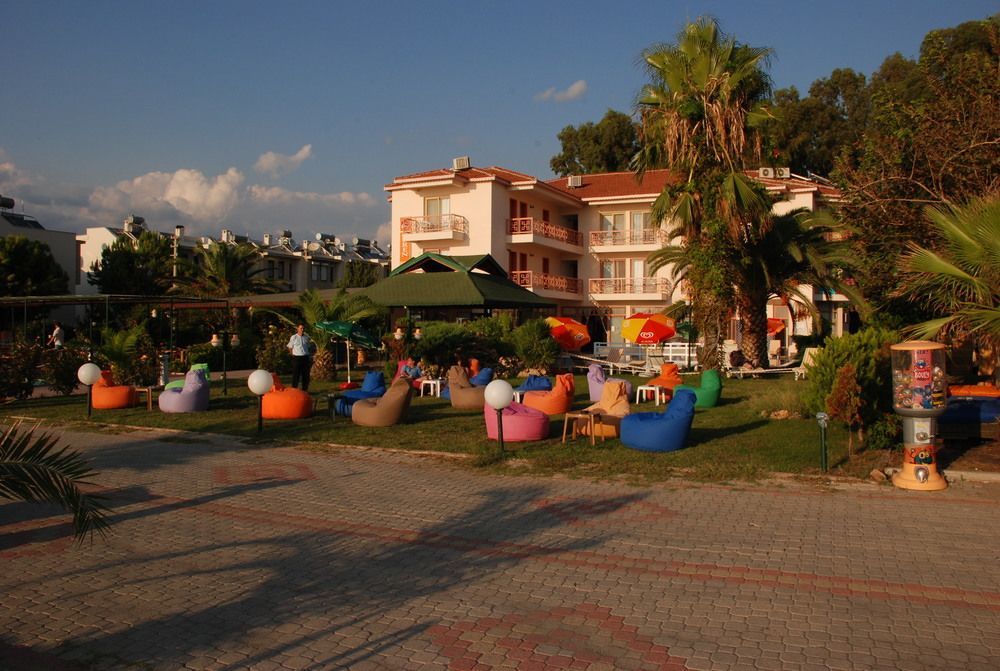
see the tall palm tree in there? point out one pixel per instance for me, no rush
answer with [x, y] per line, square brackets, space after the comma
[33, 468]
[960, 278]
[698, 118]
[354, 308]
[223, 269]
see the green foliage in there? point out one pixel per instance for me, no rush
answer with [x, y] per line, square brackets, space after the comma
[443, 343]
[27, 268]
[34, 469]
[130, 355]
[361, 274]
[868, 351]
[884, 433]
[140, 267]
[607, 146]
[222, 270]
[60, 368]
[844, 401]
[272, 353]
[18, 370]
[534, 345]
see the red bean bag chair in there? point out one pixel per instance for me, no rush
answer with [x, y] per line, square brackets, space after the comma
[556, 401]
[520, 423]
[286, 402]
[108, 396]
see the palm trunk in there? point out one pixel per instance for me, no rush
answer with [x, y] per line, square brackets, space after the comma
[753, 314]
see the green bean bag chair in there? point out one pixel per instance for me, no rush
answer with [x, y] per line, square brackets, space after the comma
[707, 395]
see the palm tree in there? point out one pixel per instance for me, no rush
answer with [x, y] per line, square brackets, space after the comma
[222, 270]
[354, 308]
[698, 119]
[960, 279]
[33, 469]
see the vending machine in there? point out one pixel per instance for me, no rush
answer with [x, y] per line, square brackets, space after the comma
[919, 394]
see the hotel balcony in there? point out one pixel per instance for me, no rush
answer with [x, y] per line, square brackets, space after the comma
[549, 286]
[527, 231]
[440, 228]
[627, 241]
[630, 288]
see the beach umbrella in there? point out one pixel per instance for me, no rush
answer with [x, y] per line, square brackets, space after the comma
[644, 328]
[569, 333]
[775, 326]
[350, 332]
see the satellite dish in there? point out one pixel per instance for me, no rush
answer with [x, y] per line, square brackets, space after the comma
[319, 237]
[313, 246]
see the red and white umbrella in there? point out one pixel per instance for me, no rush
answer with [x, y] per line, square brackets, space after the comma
[775, 326]
[644, 328]
[569, 333]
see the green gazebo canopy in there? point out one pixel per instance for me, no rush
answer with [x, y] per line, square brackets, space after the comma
[435, 280]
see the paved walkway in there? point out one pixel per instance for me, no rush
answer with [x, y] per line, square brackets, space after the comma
[230, 556]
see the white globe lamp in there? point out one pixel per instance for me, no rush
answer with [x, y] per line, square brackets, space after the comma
[89, 374]
[260, 382]
[499, 395]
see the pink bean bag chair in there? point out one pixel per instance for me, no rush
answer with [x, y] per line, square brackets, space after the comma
[520, 423]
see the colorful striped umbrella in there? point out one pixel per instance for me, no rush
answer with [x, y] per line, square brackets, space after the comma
[644, 328]
[569, 333]
[775, 326]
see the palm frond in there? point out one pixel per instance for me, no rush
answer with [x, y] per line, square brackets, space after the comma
[34, 469]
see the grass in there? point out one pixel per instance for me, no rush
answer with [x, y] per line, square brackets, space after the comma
[734, 441]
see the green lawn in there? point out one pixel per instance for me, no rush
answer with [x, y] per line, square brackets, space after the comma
[731, 441]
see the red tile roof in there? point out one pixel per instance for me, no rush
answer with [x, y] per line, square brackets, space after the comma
[614, 184]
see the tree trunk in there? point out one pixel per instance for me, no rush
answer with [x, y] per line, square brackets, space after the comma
[753, 315]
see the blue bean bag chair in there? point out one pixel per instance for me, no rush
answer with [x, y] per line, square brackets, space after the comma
[482, 378]
[535, 383]
[191, 397]
[971, 410]
[660, 431]
[372, 386]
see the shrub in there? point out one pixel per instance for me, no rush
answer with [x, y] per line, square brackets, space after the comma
[18, 370]
[60, 368]
[868, 351]
[272, 353]
[885, 433]
[534, 346]
[443, 343]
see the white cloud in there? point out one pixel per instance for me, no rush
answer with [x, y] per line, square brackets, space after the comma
[274, 164]
[277, 195]
[188, 191]
[575, 91]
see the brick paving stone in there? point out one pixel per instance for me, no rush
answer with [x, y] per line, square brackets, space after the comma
[271, 557]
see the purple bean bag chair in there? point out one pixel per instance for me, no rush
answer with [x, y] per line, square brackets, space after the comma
[596, 380]
[660, 431]
[192, 397]
[520, 423]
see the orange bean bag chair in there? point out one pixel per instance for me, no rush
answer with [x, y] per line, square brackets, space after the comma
[669, 377]
[982, 390]
[612, 407]
[556, 401]
[286, 402]
[107, 395]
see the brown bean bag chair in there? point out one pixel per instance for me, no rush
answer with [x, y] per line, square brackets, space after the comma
[555, 402]
[464, 395]
[386, 410]
[612, 407]
[286, 402]
[107, 395]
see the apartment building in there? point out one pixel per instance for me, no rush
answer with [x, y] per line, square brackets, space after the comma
[581, 241]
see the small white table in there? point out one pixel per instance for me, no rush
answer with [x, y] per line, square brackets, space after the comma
[517, 396]
[431, 386]
[643, 389]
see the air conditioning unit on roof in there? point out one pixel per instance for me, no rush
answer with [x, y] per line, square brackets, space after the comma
[461, 163]
[767, 173]
[574, 181]
[782, 173]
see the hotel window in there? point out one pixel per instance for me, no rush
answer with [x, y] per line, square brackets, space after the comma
[436, 209]
[612, 269]
[613, 222]
[270, 270]
[638, 269]
[641, 225]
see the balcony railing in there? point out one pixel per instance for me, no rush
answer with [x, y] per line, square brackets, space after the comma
[651, 236]
[532, 280]
[438, 223]
[630, 285]
[522, 225]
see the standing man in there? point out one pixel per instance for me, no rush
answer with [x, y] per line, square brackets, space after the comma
[300, 347]
[57, 337]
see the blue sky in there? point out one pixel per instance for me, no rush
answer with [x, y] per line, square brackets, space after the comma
[264, 116]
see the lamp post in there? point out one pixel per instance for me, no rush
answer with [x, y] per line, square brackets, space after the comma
[226, 343]
[260, 382]
[499, 395]
[823, 419]
[89, 374]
